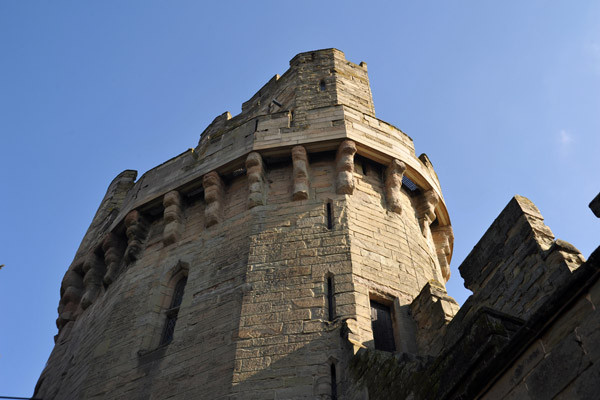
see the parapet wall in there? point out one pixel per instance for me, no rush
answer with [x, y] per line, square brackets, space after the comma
[322, 120]
[518, 262]
[257, 249]
[284, 224]
[528, 331]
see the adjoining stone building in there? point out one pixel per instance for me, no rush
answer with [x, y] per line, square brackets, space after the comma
[301, 251]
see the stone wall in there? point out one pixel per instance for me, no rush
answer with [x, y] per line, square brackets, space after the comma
[527, 332]
[284, 222]
[559, 359]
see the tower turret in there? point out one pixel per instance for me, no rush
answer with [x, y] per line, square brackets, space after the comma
[257, 263]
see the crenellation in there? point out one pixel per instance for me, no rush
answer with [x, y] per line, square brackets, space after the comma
[296, 234]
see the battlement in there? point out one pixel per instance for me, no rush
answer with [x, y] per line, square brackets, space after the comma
[317, 79]
[299, 251]
[285, 224]
[304, 113]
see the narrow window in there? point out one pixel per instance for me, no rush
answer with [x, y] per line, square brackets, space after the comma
[256, 125]
[329, 215]
[333, 382]
[330, 299]
[322, 86]
[173, 311]
[383, 330]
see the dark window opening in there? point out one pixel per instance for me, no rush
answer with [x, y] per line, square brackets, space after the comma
[194, 195]
[329, 216]
[368, 167]
[172, 312]
[322, 86]
[383, 329]
[322, 157]
[276, 162]
[333, 382]
[410, 187]
[330, 299]
[256, 125]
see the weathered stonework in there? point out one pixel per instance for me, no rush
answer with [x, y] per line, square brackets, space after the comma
[393, 183]
[239, 270]
[136, 230]
[113, 248]
[256, 180]
[213, 196]
[173, 217]
[525, 333]
[426, 211]
[443, 237]
[300, 164]
[72, 289]
[344, 166]
[94, 269]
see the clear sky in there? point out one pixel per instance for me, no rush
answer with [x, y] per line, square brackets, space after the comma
[504, 97]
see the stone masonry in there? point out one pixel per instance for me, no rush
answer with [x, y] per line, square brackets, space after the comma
[277, 258]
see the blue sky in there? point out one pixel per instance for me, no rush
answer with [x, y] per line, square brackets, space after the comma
[504, 97]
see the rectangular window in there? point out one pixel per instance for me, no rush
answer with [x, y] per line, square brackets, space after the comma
[383, 328]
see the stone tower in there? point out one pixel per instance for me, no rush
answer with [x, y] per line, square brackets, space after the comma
[256, 265]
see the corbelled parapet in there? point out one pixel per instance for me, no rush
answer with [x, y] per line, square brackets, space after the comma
[172, 202]
[344, 166]
[213, 196]
[301, 179]
[113, 248]
[94, 269]
[136, 230]
[256, 180]
[300, 220]
[109, 210]
[319, 102]
[393, 182]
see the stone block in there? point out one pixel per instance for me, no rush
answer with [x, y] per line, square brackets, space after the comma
[563, 363]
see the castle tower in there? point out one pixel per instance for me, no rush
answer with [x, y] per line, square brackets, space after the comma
[255, 265]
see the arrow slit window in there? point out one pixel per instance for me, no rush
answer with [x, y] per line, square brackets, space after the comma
[173, 312]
